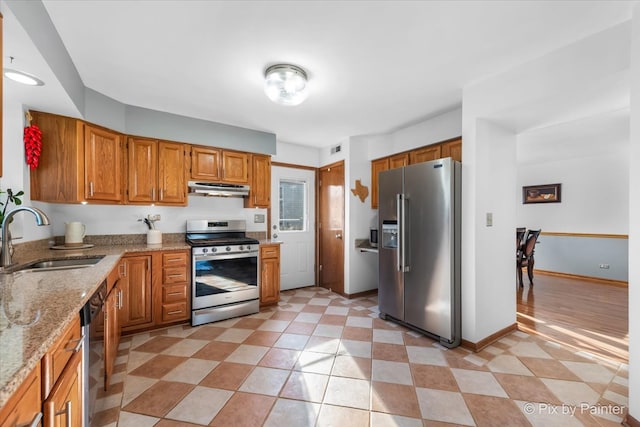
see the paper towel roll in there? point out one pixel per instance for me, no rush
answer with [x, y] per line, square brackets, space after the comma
[154, 237]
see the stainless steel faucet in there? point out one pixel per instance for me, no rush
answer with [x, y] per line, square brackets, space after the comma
[5, 253]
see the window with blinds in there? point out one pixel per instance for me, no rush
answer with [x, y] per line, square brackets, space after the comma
[292, 205]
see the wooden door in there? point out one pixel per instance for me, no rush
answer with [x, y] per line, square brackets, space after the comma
[142, 170]
[136, 292]
[331, 227]
[171, 160]
[103, 164]
[453, 149]
[377, 166]
[399, 160]
[424, 154]
[205, 163]
[235, 167]
[112, 332]
[260, 194]
[63, 407]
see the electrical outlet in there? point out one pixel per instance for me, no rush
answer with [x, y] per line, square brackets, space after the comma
[605, 266]
[155, 217]
[258, 218]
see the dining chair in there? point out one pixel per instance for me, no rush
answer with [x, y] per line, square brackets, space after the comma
[525, 256]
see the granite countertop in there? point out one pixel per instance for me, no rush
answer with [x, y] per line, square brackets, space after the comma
[36, 307]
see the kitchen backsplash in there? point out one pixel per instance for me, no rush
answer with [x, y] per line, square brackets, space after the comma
[123, 220]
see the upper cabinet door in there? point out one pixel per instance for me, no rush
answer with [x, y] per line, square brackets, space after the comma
[103, 164]
[377, 166]
[453, 149]
[431, 152]
[235, 167]
[171, 161]
[143, 170]
[205, 163]
[399, 160]
[260, 193]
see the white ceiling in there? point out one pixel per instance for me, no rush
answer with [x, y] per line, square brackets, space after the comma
[374, 66]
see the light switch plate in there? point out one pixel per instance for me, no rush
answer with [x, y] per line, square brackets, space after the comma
[489, 219]
[258, 218]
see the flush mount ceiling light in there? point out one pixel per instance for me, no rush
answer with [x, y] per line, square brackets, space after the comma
[285, 84]
[22, 77]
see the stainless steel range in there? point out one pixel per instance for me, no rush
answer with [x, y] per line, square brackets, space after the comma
[225, 280]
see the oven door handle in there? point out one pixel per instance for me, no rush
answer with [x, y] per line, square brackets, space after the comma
[224, 256]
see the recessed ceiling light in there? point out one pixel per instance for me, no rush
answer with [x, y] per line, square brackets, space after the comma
[286, 84]
[22, 77]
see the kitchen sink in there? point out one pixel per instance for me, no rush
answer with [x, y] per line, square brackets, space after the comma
[60, 264]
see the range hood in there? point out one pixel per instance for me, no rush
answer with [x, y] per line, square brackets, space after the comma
[217, 190]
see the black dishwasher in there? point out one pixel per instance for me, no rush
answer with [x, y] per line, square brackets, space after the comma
[92, 317]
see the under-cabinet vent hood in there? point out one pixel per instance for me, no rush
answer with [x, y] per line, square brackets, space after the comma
[217, 190]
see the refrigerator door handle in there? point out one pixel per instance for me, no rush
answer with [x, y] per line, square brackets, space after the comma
[399, 231]
[405, 235]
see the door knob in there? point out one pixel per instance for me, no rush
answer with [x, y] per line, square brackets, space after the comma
[338, 235]
[275, 236]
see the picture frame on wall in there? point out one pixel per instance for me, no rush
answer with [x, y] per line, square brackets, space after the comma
[548, 193]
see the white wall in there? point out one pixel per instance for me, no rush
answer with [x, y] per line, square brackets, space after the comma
[296, 154]
[430, 131]
[634, 223]
[587, 157]
[363, 266]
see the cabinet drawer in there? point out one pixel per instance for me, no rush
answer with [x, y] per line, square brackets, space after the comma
[174, 312]
[172, 294]
[25, 404]
[174, 259]
[174, 275]
[269, 251]
[56, 358]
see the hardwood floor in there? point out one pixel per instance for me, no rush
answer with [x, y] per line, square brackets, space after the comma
[586, 316]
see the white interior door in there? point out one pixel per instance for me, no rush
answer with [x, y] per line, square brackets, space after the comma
[293, 195]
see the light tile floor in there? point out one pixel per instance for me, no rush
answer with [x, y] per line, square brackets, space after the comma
[318, 359]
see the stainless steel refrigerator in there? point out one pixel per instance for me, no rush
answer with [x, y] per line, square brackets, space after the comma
[419, 250]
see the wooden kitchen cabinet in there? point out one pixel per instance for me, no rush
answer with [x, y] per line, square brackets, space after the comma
[112, 331]
[235, 167]
[424, 154]
[260, 182]
[377, 166]
[205, 163]
[79, 162]
[135, 283]
[63, 407]
[453, 149]
[155, 172]
[269, 274]
[216, 165]
[62, 379]
[103, 164]
[173, 292]
[26, 403]
[398, 160]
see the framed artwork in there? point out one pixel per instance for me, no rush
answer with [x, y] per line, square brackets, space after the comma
[548, 193]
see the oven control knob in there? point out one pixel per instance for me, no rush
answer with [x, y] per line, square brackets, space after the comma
[248, 248]
[214, 249]
[241, 247]
[205, 250]
[228, 248]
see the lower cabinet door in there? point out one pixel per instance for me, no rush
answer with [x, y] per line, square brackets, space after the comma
[63, 407]
[23, 408]
[112, 332]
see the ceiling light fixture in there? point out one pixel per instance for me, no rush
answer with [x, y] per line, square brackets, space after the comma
[22, 77]
[286, 84]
